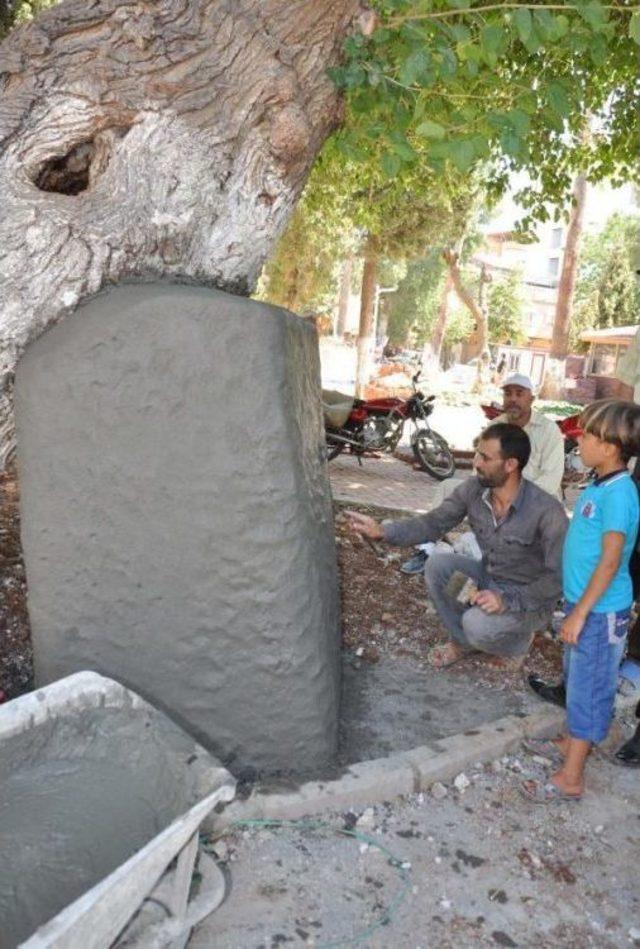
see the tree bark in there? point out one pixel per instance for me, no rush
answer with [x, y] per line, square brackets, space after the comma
[553, 382]
[478, 311]
[146, 139]
[345, 294]
[366, 328]
[440, 326]
[566, 285]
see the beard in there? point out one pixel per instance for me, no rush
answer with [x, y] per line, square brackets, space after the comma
[495, 480]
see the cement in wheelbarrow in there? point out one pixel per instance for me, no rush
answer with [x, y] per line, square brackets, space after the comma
[90, 775]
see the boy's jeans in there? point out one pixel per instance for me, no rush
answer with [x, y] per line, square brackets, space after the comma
[591, 673]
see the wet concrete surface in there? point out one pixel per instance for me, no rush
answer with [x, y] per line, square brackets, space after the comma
[397, 704]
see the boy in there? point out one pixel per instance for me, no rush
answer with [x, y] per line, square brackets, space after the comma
[597, 592]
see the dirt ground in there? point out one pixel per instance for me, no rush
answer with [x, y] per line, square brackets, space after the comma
[385, 612]
[16, 657]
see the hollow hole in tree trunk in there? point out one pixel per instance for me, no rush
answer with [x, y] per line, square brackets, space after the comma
[68, 174]
[76, 171]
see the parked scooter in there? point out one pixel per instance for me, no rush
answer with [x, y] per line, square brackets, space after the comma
[375, 425]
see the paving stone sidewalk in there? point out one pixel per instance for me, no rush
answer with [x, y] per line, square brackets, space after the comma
[385, 482]
[389, 482]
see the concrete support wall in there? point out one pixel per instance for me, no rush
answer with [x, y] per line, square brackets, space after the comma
[176, 516]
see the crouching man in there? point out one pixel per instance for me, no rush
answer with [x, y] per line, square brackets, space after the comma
[520, 531]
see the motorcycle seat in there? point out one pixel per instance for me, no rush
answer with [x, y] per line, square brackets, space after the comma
[336, 407]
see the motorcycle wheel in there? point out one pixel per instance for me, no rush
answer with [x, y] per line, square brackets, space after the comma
[433, 454]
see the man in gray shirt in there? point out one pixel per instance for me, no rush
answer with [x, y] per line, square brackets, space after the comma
[520, 530]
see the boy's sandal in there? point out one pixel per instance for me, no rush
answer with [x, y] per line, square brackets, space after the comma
[441, 657]
[544, 747]
[549, 793]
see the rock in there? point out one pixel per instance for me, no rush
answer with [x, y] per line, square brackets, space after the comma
[438, 790]
[634, 933]
[461, 782]
[387, 617]
[363, 848]
[367, 818]
[598, 829]
[221, 850]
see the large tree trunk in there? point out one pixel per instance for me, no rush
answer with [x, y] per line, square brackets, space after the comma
[366, 328]
[440, 326]
[566, 285]
[555, 370]
[164, 138]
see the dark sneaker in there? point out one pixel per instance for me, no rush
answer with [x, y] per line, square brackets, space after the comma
[629, 754]
[416, 564]
[550, 693]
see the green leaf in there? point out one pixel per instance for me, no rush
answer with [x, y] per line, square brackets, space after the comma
[460, 33]
[510, 142]
[391, 164]
[401, 146]
[558, 100]
[491, 38]
[462, 154]
[520, 121]
[414, 66]
[594, 14]
[634, 27]
[545, 24]
[524, 23]
[429, 129]
[528, 104]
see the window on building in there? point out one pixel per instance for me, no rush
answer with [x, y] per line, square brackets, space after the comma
[553, 267]
[556, 238]
[514, 362]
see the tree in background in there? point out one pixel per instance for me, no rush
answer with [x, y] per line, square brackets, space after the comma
[607, 291]
[414, 307]
[505, 302]
[303, 274]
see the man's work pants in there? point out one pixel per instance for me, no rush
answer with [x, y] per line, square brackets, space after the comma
[500, 634]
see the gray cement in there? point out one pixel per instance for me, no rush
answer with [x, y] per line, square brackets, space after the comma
[395, 705]
[79, 795]
[176, 519]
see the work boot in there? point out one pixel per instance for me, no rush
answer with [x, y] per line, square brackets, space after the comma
[555, 694]
[629, 753]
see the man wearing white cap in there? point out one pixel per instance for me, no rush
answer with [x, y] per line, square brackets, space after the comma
[546, 463]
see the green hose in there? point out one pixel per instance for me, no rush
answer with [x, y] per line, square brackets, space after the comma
[394, 861]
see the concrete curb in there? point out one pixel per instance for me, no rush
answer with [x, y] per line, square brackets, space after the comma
[371, 782]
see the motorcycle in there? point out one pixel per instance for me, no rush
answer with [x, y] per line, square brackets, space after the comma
[376, 425]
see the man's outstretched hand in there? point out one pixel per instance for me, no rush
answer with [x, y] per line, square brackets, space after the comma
[365, 525]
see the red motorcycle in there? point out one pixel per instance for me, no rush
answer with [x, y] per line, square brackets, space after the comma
[376, 425]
